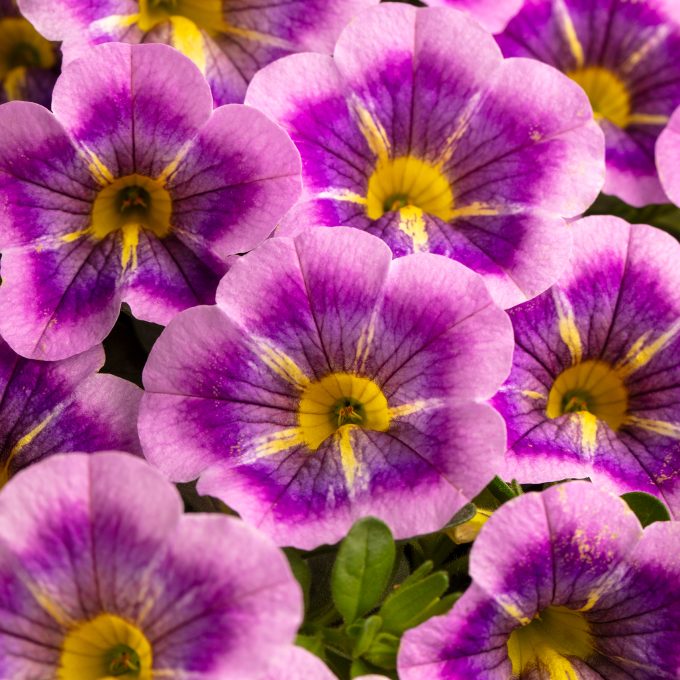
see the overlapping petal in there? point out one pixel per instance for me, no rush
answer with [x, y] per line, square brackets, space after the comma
[47, 407]
[572, 554]
[321, 318]
[105, 538]
[228, 41]
[595, 380]
[207, 185]
[625, 55]
[492, 14]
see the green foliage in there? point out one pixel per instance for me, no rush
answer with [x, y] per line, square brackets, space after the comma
[647, 508]
[362, 568]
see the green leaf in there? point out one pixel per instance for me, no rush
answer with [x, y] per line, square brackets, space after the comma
[383, 651]
[363, 568]
[425, 569]
[465, 514]
[647, 508]
[500, 490]
[403, 607]
[363, 632]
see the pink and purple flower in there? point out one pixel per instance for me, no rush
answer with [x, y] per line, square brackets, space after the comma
[418, 131]
[330, 383]
[102, 576]
[52, 406]
[595, 385]
[625, 55]
[229, 40]
[133, 191]
[565, 584]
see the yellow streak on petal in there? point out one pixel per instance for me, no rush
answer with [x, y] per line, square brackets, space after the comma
[514, 611]
[114, 21]
[75, 235]
[413, 407]
[476, 209]
[567, 326]
[593, 598]
[462, 126]
[343, 437]
[373, 131]
[188, 39]
[172, 166]
[661, 427]
[281, 364]
[130, 236]
[102, 175]
[648, 46]
[588, 430]
[641, 353]
[647, 119]
[569, 32]
[532, 394]
[256, 36]
[275, 443]
[344, 195]
[364, 344]
[412, 223]
[22, 444]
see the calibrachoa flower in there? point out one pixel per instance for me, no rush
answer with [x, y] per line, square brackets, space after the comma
[595, 385]
[625, 55]
[667, 149]
[52, 406]
[28, 63]
[101, 576]
[229, 40]
[492, 14]
[134, 191]
[295, 663]
[565, 586]
[330, 383]
[419, 132]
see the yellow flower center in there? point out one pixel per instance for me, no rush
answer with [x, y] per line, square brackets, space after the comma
[206, 14]
[340, 399]
[405, 182]
[128, 205]
[103, 648]
[593, 387]
[547, 642]
[608, 95]
[21, 47]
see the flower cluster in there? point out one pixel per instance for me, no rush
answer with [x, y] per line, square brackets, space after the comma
[339, 340]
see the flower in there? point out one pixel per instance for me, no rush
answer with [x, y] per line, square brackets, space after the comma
[625, 56]
[100, 573]
[29, 64]
[667, 147]
[420, 133]
[229, 40]
[54, 406]
[595, 384]
[133, 191]
[565, 584]
[493, 15]
[330, 383]
[295, 663]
